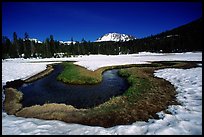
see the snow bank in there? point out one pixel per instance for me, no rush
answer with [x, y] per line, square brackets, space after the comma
[93, 62]
[12, 70]
[185, 118]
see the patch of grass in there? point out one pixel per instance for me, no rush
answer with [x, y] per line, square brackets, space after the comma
[74, 74]
[138, 84]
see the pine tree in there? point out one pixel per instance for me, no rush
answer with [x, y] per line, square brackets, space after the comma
[52, 45]
[6, 47]
[21, 47]
[72, 41]
[47, 48]
[27, 46]
[15, 49]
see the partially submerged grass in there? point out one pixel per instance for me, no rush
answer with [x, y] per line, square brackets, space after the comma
[146, 96]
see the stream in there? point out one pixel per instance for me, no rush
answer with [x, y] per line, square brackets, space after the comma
[49, 90]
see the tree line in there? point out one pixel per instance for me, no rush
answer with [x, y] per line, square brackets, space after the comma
[182, 39]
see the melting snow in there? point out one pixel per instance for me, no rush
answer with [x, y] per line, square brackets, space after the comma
[184, 119]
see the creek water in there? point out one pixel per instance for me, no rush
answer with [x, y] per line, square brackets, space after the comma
[49, 90]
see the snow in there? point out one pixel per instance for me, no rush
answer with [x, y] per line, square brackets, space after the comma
[188, 83]
[67, 42]
[94, 62]
[11, 71]
[185, 119]
[114, 37]
[33, 39]
[176, 35]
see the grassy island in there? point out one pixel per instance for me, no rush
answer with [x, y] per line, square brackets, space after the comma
[74, 74]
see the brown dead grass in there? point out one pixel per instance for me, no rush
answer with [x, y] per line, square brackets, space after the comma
[52, 111]
[12, 99]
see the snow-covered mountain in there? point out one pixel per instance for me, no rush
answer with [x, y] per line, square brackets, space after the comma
[67, 42]
[33, 39]
[61, 42]
[115, 37]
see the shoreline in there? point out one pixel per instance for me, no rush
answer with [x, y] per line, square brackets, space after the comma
[48, 70]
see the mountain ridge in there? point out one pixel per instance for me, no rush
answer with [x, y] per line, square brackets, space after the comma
[114, 36]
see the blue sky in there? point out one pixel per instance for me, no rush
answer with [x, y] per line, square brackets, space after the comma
[90, 20]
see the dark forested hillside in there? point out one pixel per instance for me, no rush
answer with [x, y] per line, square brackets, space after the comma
[182, 39]
[185, 38]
